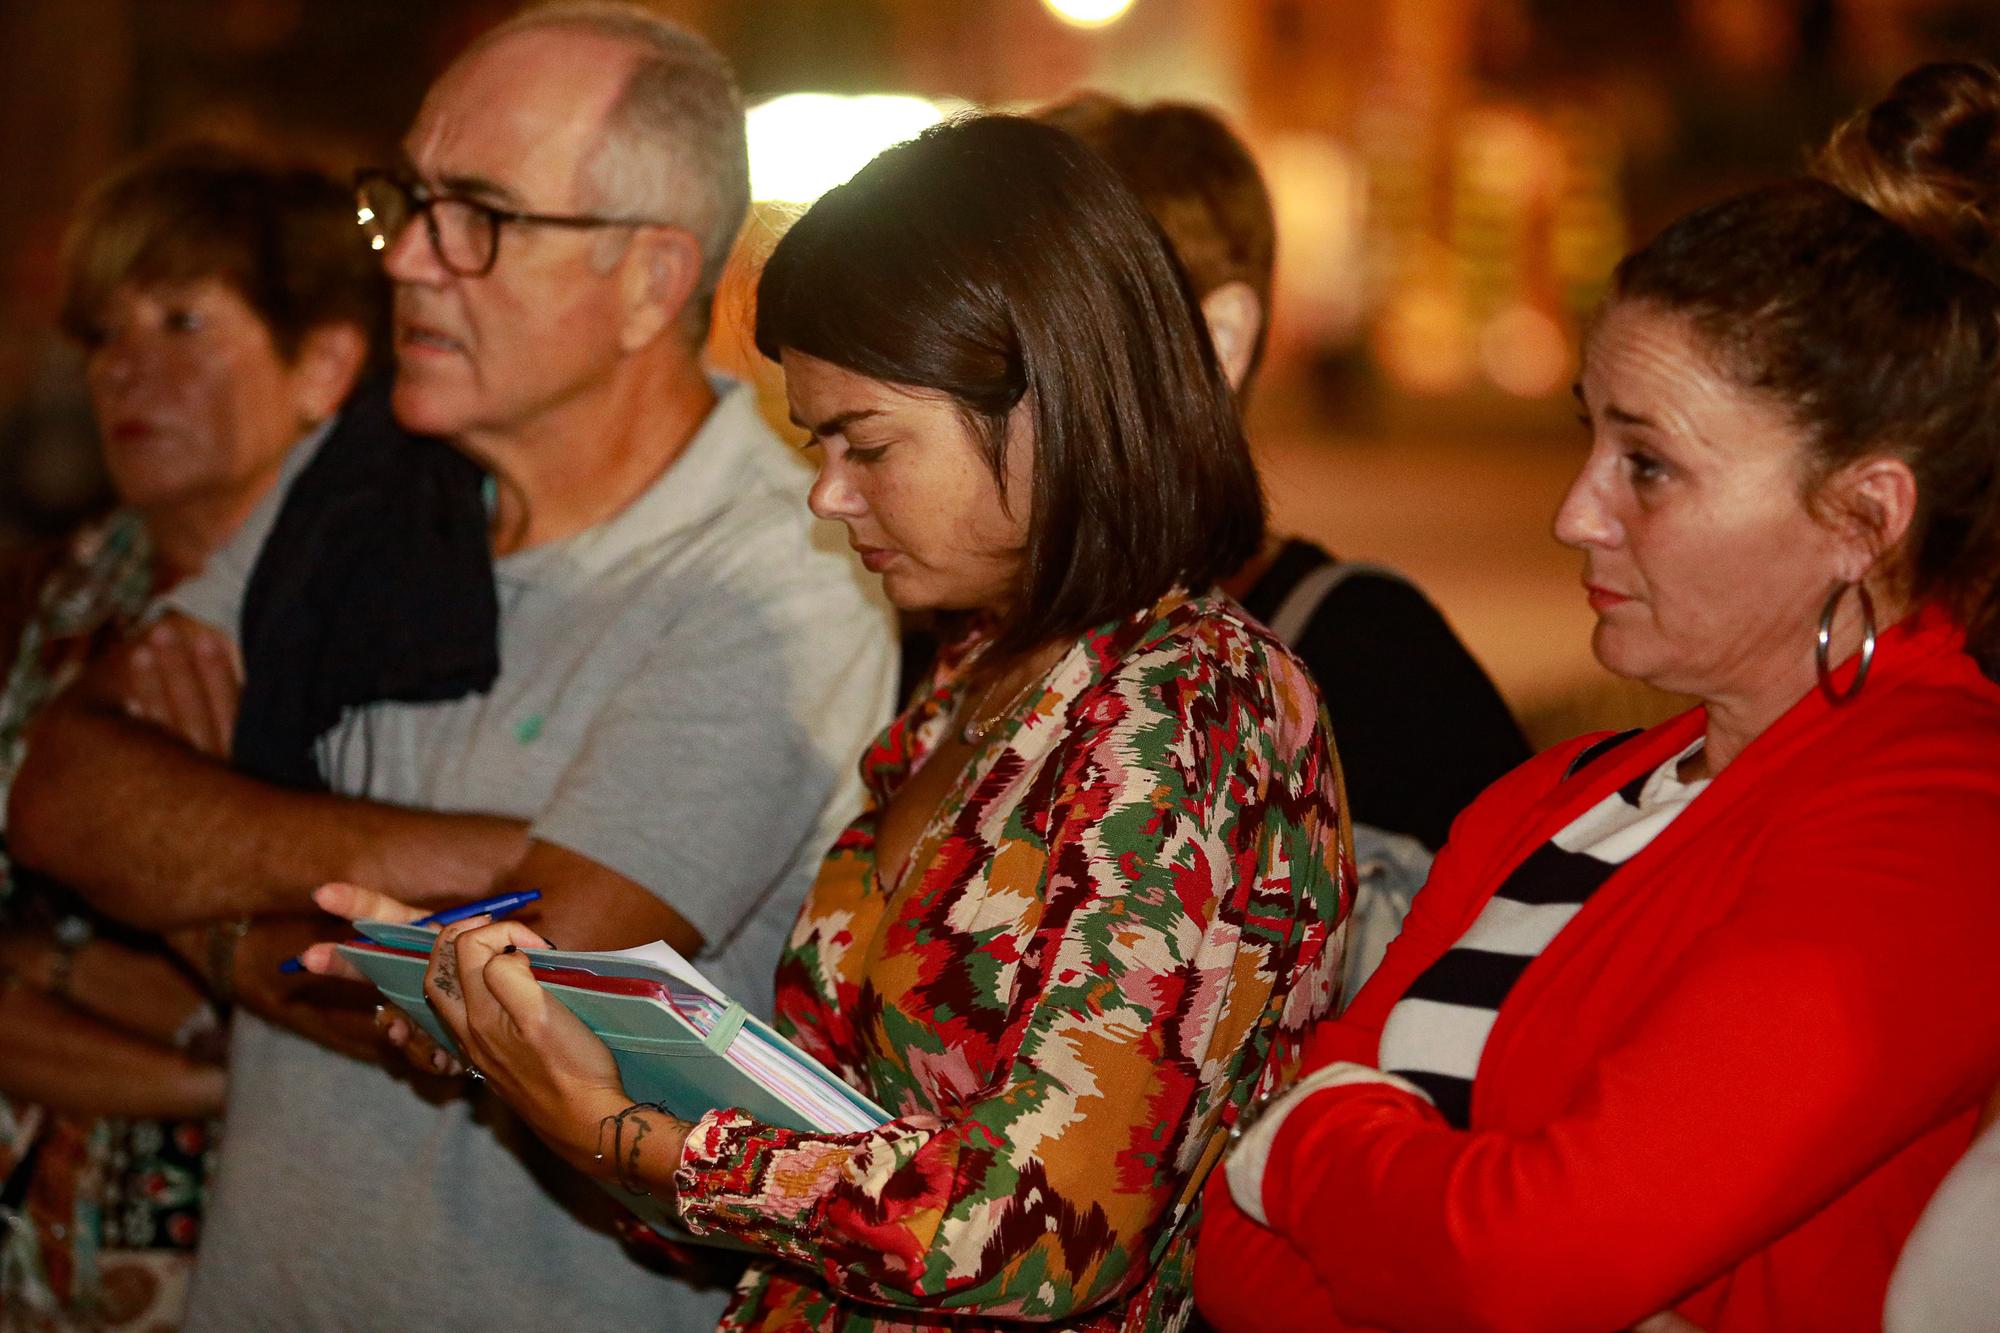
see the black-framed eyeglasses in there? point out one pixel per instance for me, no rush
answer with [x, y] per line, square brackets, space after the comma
[464, 233]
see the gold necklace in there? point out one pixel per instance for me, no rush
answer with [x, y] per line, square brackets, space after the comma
[974, 730]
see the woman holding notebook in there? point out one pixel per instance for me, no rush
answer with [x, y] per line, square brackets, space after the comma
[1093, 900]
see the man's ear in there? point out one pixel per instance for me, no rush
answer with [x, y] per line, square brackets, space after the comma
[1235, 317]
[329, 360]
[658, 277]
[1874, 501]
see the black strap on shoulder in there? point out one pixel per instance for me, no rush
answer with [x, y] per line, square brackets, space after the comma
[1302, 603]
[1590, 753]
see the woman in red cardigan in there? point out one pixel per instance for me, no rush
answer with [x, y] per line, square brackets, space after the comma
[1687, 1025]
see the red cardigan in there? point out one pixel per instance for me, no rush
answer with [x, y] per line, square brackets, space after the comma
[1729, 1085]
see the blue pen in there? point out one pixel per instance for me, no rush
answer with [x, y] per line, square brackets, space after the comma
[496, 907]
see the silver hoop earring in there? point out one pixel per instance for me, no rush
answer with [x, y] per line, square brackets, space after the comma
[1823, 643]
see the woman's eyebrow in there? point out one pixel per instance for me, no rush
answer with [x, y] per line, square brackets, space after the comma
[833, 425]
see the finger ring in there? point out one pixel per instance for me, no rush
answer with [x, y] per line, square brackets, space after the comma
[474, 1074]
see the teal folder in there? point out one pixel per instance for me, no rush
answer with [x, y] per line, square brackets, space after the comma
[677, 1039]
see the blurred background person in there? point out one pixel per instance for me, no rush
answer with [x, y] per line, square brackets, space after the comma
[1946, 1280]
[1097, 887]
[1698, 1017]
[1420, 728]
[226, 310]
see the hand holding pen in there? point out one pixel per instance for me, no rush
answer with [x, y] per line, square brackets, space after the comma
[496, 907]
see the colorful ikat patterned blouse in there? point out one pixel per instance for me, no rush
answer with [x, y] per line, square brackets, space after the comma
[1113, 931]
[98, 1215]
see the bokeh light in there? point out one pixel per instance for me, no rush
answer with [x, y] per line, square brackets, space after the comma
[1524, 351]
[1088, 13]
[804, 144]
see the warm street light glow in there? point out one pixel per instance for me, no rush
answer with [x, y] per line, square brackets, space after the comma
[1524, 351]
[1088, 13]
[804, 144]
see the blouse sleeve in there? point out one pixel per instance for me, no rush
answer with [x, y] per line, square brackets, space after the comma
[1839, 1013]
[1193, 870]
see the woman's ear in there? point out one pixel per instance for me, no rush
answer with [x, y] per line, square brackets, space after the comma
[1235, 317]
[328, 363]
[1873, 501]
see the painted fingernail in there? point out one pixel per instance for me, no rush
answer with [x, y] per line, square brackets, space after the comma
[440, 1061]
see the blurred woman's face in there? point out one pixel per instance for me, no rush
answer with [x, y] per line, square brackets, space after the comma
[903, 471]
[194, 405]
[1705, 569]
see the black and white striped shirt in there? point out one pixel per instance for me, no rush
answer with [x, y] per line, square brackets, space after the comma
[1436, 1033]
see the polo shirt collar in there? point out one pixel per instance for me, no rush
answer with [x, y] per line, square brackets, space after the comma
[716, 467]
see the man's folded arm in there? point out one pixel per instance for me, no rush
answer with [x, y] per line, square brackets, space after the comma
[588, 905]
[584, 905]
[155, 834]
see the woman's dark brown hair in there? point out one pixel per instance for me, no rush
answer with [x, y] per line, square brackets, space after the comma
[997, 260]
[281, 236]
[1855, 298]
[1199, 182]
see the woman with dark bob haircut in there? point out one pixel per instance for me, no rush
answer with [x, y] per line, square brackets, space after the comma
[1093, 897]
[1687, 1024]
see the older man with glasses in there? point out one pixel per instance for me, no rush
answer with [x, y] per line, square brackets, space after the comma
[686, 668]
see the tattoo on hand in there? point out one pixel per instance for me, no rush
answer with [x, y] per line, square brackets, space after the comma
[641, 1127]
[447, 975]
[625, 1162]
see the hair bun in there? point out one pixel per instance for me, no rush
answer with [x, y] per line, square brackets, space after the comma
[1927, 156]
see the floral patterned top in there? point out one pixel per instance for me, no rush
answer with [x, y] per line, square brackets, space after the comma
[83, 1194]
[1110, 936]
